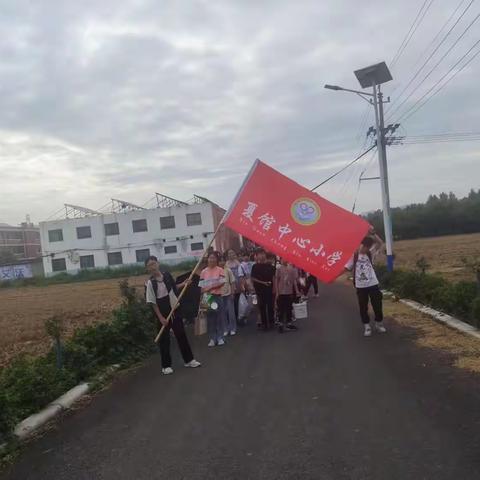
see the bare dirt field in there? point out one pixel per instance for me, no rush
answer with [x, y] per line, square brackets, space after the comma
[444, 254]
[23, 312]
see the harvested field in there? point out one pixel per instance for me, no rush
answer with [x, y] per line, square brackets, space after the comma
[444, 254]
[23, 312]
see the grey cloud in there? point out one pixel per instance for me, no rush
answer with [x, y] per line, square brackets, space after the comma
[125, 98]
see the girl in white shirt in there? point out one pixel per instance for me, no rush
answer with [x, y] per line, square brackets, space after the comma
[366, 282]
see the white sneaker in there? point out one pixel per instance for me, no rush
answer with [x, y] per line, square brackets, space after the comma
[368, 330]
[193, 364]
[232, 333]
[211, 343]
[225, 334]
[221, 342]
[167, 371]
[380, 327]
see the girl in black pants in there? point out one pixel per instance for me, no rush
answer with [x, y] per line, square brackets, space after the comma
[366, 282]
[287, 290]
[263, 277]
[161, 293]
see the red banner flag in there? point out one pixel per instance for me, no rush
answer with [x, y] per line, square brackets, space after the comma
[295, 223]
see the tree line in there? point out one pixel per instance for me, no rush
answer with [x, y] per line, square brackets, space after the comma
[443, 214]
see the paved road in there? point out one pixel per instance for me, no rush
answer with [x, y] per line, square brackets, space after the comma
[320, 403]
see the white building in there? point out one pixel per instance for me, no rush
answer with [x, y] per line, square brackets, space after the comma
[174, 231]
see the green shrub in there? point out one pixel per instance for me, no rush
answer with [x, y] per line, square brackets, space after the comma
[29, 384]
[444, 299]
[476, 311]
[453, 298]
[422, 265]
[465, 293]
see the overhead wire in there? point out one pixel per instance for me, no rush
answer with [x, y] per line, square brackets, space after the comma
[362, 123]
[397, 98]
[435, 66]
[367, 166]
[344, 168]
[419, 104]
[413, 28]
[440, 140]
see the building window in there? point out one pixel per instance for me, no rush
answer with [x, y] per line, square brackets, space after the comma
[194, 219]
[167, 222]
[87, 261]
[15, 236]
[59, 265]
[139, 225]
[115, 258]
[111, 229]
[17, 250]
[197, 246]
[171, 249]
[55, 235]
[84, 232]
[142, 255]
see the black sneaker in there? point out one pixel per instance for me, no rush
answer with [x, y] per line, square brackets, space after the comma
[291, 326]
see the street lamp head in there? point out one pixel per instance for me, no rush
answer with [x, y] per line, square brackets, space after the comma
[333, 87]
[374, 74]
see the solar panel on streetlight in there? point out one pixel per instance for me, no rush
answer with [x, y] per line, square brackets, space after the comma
[374, 74]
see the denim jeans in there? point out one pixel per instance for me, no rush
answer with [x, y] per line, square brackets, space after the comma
[215, 324]
[230, 320]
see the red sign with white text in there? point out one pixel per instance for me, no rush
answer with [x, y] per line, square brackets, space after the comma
[295, 223]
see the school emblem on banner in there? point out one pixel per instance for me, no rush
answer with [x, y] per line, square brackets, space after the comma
[305, 211]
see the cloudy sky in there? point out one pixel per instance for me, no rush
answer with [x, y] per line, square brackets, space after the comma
[122, 99]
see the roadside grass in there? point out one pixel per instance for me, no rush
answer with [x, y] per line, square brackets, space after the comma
[433, 335]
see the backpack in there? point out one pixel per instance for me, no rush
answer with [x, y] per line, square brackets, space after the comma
[355, 260]
[167, 279]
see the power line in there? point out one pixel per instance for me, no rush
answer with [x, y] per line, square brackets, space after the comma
[434, 51]
[446, 134]
[410, 33]
[436, 65]
[351, 175]
[440, 140]
[344, 168]
[407, 114]
[362, 123]
[367, 166]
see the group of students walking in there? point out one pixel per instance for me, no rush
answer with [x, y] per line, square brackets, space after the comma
[275, 285]
[228, 281]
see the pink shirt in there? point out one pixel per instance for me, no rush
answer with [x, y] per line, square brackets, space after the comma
[213, 276]
[286, 279]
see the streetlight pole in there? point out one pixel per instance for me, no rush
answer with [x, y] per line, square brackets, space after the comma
[373, 76]
[382, 161]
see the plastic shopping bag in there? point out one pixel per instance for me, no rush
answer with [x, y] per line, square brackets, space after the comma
[243, 307]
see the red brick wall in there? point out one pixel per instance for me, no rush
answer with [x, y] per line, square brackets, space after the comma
[226, 238]
[32, 243]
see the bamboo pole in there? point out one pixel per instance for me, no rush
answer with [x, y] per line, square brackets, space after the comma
[184, 289]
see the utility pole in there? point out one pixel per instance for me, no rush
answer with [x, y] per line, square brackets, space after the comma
[382, 160]
[374, 76]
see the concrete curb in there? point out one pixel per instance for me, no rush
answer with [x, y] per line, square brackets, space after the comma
[32, 423]
[452, 322]
[28, 426]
